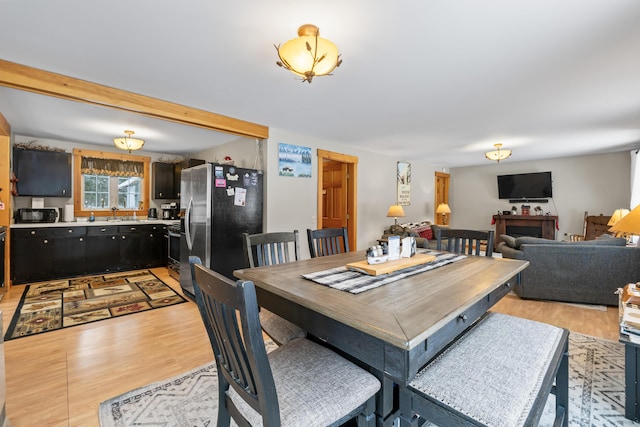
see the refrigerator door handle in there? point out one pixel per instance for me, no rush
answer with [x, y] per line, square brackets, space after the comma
[187, 225]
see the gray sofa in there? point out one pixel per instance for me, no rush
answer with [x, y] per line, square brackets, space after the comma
[580, 272]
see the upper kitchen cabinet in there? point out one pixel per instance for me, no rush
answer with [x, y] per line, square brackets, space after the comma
[42, 173]
[163, 185]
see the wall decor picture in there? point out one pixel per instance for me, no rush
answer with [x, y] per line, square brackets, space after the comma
[404, 183]
[294, 160]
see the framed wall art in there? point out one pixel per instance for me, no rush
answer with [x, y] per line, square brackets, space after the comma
[294, 160]
[404, 183]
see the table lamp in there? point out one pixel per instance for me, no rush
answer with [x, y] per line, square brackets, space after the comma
[617, 216]
[629, 224]
[443, 209]
[395, 211]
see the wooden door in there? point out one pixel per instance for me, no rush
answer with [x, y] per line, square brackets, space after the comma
[337, 197]
[5, 194]
[334, 194]
[441, 196]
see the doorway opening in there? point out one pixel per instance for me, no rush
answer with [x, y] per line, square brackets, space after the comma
[337, 197]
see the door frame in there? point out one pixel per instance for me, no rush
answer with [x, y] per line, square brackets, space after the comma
[352, 194]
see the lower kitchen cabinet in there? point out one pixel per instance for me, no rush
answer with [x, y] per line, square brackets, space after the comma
[69, 249]
[59, 252]
[102, 253]
[31, 255]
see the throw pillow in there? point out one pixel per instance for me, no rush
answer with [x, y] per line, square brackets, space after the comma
[425, 232]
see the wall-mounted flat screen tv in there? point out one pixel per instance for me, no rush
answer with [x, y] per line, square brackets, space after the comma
[535, 185]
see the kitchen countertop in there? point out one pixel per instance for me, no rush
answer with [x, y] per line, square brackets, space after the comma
[96, 223]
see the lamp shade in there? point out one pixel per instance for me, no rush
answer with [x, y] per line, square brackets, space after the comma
[443, 208]
[617, 216]
[309, 55]
[630, 224]
[127, 143]
[395, 211]
[497, 154]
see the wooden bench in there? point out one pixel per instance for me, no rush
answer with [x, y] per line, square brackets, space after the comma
[499, 373]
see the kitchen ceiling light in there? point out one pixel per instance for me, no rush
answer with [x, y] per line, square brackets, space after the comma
[128, 143]
[497, 154]
[309, 55]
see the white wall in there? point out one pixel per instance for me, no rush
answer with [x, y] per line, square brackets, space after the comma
[598, 184]
[292, 202]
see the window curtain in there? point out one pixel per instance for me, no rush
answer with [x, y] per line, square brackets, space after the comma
[111, 167]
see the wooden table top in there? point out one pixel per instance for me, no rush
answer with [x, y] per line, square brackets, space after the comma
[403, 313]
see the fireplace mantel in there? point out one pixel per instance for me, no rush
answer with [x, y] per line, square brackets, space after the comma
[525, 225]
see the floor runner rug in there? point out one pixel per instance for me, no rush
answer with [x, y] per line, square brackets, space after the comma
[596, 393]
[49, 306]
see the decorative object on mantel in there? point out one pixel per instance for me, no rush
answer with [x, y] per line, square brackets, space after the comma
[497, 154]
[443, 209]
[309, 55]
[128, 143]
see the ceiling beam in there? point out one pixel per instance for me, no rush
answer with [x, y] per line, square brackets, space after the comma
[31, 79]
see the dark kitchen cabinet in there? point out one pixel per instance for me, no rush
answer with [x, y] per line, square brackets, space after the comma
[42, 173]
[102, 249]
[177, 170]
[163, 177]
[31, 255]
[69, 251]
[132, 246]
[50, 253]
[153, 251]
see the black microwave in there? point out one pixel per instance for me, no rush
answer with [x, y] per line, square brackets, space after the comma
[31, 215]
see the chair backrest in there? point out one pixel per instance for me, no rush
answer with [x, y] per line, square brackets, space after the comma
[229, 312]
[328, 241]
[271, 248]
[465, 241]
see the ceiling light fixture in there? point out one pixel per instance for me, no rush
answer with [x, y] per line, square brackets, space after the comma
[498, 154]
[128, 143]
[309, 55]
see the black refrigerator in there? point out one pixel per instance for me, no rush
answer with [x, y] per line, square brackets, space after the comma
[217, 204]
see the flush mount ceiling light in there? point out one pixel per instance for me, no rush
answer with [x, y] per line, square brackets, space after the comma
[128, 143]
[309, 55]
[497, 154]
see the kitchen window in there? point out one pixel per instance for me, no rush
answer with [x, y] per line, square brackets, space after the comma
[106, 180]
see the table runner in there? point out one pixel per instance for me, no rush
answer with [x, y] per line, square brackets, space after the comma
[356, 282]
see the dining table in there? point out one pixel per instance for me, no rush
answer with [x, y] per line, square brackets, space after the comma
[391, 330]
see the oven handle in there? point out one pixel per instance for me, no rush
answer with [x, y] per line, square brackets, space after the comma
[173, 234]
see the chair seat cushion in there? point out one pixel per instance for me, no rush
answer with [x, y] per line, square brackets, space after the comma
[280, 330]
[494, 372]
[315, 386]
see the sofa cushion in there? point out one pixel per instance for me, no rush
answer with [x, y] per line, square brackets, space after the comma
[509, 240]
[524, 240]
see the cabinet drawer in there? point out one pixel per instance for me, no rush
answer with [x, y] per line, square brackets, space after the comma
[132, 228]
[101, 231]
[69, 231]
[24, 233]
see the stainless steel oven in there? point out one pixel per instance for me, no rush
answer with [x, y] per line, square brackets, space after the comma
[174, 251]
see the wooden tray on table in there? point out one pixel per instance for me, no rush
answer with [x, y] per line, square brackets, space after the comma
[390, 266]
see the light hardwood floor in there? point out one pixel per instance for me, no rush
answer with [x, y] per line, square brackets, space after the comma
[59, 378]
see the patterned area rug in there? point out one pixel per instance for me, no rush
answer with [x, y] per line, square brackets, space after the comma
[596, 393]
[49, 306]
